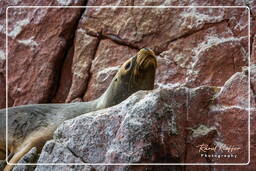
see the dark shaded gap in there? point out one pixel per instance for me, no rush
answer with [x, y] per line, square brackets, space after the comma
[60, 64]
[114, 38]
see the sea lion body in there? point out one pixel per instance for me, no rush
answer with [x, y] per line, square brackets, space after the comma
[32, 125]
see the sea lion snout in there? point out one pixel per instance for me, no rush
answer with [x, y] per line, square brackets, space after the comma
[146, 58]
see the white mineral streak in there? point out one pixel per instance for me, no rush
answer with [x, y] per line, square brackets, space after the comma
[67, 2]
[148, 101]
[136, 121]
[39, 15]
[2, 55]
[181, 60]
[199, 18]
[18, 27]
[80, 68]
[228, 83]
[15, 2]
[81, 30]
[2, 29]
[167, 86]
[202, 130]
[82, 64]
[240, 26]
[29, 42]
[83, 37]
[220, 144]
[214, 108]
[103, 74]
[210, 41]
[173, 126]
[164, 57]
[64, 2]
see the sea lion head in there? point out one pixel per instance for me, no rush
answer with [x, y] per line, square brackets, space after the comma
[137, 73]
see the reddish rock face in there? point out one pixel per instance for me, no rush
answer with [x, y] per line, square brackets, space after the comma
[204, 58]
[253, 53]
[153, 28]
[213, 45]
[37, 46]
[220, 122]
[195, 48]
[85, 48]
[238, 85]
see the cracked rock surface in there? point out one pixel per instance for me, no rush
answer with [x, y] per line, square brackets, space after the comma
[75, 55]
[68, 55]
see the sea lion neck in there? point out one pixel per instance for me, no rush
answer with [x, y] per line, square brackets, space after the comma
[137, 73]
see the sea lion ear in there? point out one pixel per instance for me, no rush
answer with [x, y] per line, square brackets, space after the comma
[128, 65]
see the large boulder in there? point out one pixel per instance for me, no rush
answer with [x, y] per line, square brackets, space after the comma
[147, 127]
[166, 125]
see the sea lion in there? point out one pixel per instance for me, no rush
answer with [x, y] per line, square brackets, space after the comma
[32, 125]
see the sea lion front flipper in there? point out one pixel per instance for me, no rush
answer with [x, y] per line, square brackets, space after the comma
[17, 156]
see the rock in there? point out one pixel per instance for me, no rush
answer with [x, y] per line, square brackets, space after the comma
[64, 156]
[204, 50]
[85, 49]
[202, 58]
[36, 40]
[30, 157]
[198, 129]
[228, 114]
[129, 29]
[77, 100]
[108, 58]
[137, 130]
[163, 125]
[138, 26]
[147, 127]
[2, 164]
[253, 84]
[35, 58]
[253, 58]
[238, 85]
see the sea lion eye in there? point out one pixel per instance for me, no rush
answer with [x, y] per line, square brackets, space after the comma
[127, 66]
